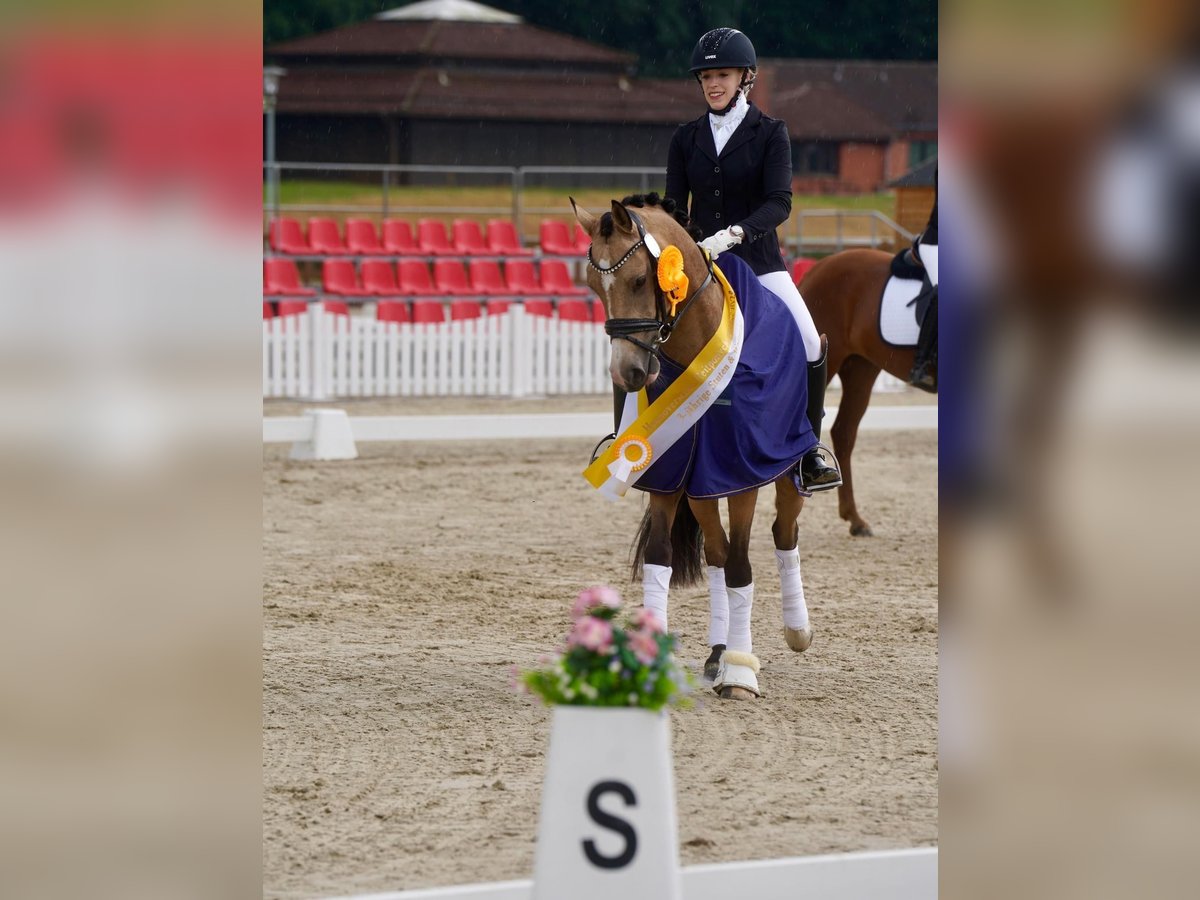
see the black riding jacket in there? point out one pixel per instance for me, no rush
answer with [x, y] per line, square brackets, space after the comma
[748, 184]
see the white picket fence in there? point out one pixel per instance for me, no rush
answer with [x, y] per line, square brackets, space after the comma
[321, 355]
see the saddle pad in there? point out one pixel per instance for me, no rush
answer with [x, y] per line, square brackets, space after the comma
[898, 320]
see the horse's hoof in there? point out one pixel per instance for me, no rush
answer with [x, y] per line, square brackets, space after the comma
[862, 529]
[712, 665]
[799, 639]
[732, 692]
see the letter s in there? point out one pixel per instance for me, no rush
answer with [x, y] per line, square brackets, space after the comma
[604, 820]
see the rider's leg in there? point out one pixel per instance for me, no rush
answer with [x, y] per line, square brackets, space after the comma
[781, 285]
[924, 364]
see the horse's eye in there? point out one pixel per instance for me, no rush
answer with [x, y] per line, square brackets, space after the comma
[639, 282]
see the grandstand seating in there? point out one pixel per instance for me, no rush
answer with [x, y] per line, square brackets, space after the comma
[520, 278]
[414, 278]
[392, 311]
[297, 307]
[288, 237]
[468, 238]
[338, 277]
[574, 311]
[428, 311]
[281, 278]
[497, 307]
[502, 239]
[486, 278]
[268, 310]
[465, 309]
[324, 237]
[379, 278]
[582, 240]
[398, 237]
[432, 238]
[362, 239]
[556, 238]
[556, 279]
[598, 312]
[539, 308]
[450, 278]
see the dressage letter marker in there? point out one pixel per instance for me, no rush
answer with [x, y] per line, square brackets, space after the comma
[608, 827]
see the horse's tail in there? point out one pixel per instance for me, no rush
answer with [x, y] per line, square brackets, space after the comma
[687, 542]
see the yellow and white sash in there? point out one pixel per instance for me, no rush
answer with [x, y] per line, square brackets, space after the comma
[648, 430]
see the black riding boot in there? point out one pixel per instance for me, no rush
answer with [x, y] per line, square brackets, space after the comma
[618, 408]
[815, 473]
[924, 370]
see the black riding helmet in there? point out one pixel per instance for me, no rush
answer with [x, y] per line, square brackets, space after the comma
[723, 48]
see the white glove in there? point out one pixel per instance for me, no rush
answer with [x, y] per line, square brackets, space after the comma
[722, 241]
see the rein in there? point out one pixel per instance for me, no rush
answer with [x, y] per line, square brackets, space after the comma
[626, 329]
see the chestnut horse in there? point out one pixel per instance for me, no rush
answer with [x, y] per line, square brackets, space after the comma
[625, 249]
[843, 293]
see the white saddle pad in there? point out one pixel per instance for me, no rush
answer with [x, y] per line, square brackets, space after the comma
[898, 320]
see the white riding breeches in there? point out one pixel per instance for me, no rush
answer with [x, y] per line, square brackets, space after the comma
[781, 285]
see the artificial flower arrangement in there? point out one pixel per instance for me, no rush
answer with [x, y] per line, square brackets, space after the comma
[612, 660]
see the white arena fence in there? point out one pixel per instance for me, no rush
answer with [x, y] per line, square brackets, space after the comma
[321, 355]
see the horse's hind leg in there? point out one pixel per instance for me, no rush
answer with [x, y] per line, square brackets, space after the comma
[716, 553]
[858, 377]
[786, 531]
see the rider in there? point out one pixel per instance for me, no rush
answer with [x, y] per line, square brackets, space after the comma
[736, 165]
[925, 248]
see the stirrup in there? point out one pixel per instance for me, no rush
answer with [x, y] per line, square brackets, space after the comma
[837, 467]
[601, 446]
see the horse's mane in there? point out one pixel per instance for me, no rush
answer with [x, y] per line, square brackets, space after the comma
[666, 204]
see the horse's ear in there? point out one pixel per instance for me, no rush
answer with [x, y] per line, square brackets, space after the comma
[586, 219]
[621, 217]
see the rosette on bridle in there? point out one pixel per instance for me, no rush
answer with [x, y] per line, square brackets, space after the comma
[670, 277]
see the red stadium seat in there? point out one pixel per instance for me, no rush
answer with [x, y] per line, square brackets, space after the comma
[556, 279]
[582, 240]
[800, 268]
[555, 238]
[468, 238]
[361, 238]
[324, 237]
[466, 309]
[336, 307]
[498, 307]
[398, 237]
[432, 239]
[450, 278]
[486, 278]
[539, 308]
[379, 278]
[338, 277]
[414, 277]
[574, 311]
[392, 311]
[268, 310]
[281, 278]
[428, 311]
[520, 278]
[598, 312]
[292, 307]
[502, 239]
[288, 237]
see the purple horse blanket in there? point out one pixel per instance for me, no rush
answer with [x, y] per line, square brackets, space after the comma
[757, 429]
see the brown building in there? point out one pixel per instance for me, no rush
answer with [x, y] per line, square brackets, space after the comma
[453, 82]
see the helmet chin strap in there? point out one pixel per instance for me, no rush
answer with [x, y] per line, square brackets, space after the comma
[728, 106]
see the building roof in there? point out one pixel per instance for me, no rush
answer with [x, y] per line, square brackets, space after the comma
[398, 40]
[432, 92]
[854, 99]
[449, 10]
[924, 175]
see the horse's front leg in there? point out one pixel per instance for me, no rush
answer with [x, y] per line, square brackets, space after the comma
[656, 557]
[716, 554]
[797, 630]
[737, 677]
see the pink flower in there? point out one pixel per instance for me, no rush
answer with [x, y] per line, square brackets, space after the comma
[644, 646]
[591, 634]
[645, 620]
[595, 597]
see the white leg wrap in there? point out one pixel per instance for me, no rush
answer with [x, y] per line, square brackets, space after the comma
[656, 581]
[791, 586]
[718, 607]
[741, 602]
[738, 670]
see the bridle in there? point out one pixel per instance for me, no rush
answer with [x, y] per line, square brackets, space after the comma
[663, 323]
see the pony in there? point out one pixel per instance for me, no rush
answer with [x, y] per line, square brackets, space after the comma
[843, 293]
[679, 532]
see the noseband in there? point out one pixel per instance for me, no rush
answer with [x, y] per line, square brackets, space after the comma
[662, 324]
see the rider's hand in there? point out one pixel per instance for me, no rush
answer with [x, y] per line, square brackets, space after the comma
[722, 241]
